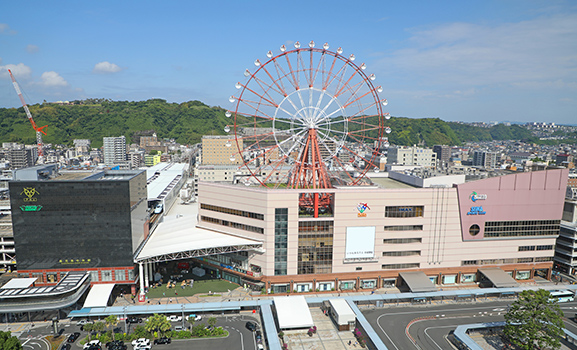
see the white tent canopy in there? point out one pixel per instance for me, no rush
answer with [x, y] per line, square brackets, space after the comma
[98, 295]
[293, 312]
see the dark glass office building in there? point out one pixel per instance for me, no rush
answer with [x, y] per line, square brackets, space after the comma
[80, 221]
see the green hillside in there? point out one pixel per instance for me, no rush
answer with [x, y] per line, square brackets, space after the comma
[187, 122]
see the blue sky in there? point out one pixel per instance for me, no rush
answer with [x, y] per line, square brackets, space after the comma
[513, 60]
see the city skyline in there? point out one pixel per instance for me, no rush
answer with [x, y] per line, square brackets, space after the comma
[474, 61]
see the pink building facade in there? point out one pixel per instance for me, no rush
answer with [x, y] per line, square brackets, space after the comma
[371, 234]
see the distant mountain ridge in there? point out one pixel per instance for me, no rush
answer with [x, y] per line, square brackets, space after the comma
[187, 122]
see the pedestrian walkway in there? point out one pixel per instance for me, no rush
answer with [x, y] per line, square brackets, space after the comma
[327, 336]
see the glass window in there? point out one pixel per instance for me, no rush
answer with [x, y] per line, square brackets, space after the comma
[404, 212]
[131, 275]
[94, 276]
[450, 279]
[120, 275]
[523, 275]
[106, 275]
[52, 277]
[39, 277]
[468, 278]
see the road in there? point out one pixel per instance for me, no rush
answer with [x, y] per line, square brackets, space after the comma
[239, 337]
[426, 327]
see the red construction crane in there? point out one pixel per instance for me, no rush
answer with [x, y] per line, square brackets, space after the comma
[39, 130]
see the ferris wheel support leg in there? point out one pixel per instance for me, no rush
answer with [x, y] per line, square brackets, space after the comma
[316, 204]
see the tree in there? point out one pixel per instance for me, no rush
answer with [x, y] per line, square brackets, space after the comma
[99, 327]
[111, 320]
[9, 342]
[191, 320]
[534, 321]
[157, 323]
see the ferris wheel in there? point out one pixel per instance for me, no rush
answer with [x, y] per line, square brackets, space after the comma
[307, 118]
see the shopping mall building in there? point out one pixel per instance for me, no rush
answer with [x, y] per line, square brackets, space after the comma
[366, 237]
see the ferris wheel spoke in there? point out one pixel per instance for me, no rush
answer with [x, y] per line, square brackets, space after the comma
[343, 166]
[276, 82]
[271, 102]
[327, 79]
[353, 94]
[294, 81]
[264, 86]
[346, 84]
[272, 171]
[356, 99]
[360, 157]
[337, 76]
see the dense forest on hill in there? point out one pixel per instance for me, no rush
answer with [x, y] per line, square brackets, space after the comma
[186, 122]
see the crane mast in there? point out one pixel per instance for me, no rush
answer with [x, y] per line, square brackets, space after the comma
[39, 130]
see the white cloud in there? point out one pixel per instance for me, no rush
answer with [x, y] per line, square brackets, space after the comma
[32, 48]
[106, 68]
[540, 50]
[20, 71]
[52, 79]
[5, 29]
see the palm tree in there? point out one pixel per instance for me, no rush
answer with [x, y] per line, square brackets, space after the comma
[111, 320]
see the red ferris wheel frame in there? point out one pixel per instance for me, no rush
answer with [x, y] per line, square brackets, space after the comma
[276, 94]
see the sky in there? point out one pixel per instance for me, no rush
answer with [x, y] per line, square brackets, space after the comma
[491, 60]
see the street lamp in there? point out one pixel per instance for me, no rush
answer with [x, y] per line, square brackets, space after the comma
[182, 307]
[125, 322]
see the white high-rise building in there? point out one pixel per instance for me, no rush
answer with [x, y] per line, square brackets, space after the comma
[114, 150]
[412, 156]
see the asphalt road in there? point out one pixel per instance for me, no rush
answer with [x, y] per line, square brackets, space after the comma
[426, 327]
[239, 337]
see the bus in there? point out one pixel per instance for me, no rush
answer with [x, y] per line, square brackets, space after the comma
[562, 296]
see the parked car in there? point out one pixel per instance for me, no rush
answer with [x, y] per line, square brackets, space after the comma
[142, 347]
[72, 338]
[251, 326]
[174, 318]
[178, 328]
[141, 341]
[258, 336]
[93, 345]
[162, 340]
[158, 209]
[132, 319]
[83, 322]
[65, 347]
[116, 345]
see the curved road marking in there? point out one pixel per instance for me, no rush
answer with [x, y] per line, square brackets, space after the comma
[431, 338]
[385, 333]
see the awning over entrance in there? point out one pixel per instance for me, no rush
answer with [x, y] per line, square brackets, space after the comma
[418, 281]
[498, 277]
[98, 295]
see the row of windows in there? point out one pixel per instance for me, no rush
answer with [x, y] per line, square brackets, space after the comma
[316, 226]
[280, 241]
[404, 211]
[246, 214]
[525, 248]
[404, 228]
[402, 240]
[315, 247]
[522, 228]
[506, 261]
[232, 224]
[105, 276]
[403, 253]
[400, 266]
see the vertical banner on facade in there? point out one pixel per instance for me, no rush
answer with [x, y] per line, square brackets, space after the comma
[360, 242]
